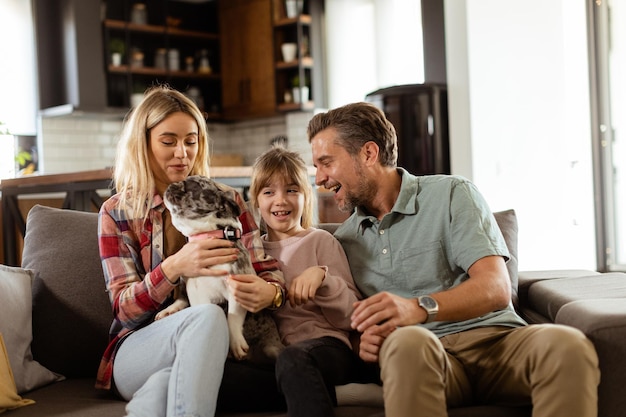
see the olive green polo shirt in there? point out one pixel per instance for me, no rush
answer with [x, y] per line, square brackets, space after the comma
[438, 227]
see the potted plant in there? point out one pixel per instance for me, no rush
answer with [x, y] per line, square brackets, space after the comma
[300, 91]
[116, 48]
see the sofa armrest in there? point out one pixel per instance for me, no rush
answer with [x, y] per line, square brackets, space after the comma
[527, 278]
[604, 322]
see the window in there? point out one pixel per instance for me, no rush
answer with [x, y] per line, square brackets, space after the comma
[375, 44]
[608, 20]
[18, 86]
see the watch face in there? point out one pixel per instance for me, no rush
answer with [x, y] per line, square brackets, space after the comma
[428, 302]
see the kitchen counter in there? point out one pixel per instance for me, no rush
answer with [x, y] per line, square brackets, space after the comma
[82, 191]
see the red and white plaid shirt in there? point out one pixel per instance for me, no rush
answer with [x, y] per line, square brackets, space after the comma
[131, 251]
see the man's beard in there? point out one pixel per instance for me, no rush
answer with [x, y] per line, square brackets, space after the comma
[361, 196]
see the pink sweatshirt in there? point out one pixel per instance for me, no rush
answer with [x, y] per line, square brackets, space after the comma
[328, 314]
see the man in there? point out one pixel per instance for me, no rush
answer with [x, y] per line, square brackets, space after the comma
[430, 258]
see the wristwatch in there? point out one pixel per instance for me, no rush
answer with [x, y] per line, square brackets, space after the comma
[429, 304]
[278, 300]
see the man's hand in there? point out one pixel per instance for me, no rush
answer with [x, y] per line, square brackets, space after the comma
[387, 311]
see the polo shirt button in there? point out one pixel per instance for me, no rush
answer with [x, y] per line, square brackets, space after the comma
[384, 251]
[382, 232]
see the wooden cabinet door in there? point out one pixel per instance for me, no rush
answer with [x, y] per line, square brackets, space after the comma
[247, 58]
[259, 56]
[231, 54]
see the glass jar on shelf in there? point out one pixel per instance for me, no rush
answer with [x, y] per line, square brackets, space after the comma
[136, 58]
[139, 14]
[204, 67]
[189, 64]
[173, 59]
[160, 59]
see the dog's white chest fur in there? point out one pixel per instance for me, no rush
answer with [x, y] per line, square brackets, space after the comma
[197, 206]
[207, 290]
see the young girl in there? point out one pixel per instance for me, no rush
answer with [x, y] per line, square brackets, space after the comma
[315, 324]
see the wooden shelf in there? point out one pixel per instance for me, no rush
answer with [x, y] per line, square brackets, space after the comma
[309, 105]
[306, 62]
[189, 28]
[304, 19]
[159, 30]
[125, 69]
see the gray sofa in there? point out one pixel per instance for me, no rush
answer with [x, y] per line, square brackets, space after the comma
[71, 317]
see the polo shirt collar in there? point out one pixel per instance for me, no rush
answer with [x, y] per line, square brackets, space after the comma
[406, 203]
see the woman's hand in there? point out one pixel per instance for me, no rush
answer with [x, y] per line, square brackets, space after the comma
[196, 259]
[304, 286]
[252, 292]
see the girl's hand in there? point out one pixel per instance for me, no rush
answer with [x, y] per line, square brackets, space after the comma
[304, 286]
[252, 292]
[196, 259]
[370, 343]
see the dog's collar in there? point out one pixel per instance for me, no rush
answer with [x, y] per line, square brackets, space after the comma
[228, 233]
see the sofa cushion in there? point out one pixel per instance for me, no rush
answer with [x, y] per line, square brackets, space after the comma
[9, 399]
[16, 328]
[71, 310]
[548, 297]
[527, 278]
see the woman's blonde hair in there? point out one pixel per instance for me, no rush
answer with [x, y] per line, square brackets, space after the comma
[290, 167]
[132, 176]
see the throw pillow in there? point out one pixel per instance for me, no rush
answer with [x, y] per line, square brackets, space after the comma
[16, 303]
[9, 399]
[71, 309]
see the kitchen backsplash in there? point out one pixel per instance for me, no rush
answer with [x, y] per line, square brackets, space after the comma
[80, 143]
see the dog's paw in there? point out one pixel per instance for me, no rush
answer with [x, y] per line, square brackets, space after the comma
[167, 312]
[239, 347]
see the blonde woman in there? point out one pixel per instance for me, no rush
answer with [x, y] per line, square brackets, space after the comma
[172, 366]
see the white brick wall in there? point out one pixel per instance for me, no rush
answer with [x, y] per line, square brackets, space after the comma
[80, 143]
[70, 144]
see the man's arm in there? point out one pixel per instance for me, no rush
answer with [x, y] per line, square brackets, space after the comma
[487, 289]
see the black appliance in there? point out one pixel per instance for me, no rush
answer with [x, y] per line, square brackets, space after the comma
[419, 112]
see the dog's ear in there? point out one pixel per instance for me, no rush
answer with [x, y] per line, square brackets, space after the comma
[233, 206]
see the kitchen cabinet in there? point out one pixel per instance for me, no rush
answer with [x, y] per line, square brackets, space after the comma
[162, 41]
[247, 59]
[293, 76]
[299, 81]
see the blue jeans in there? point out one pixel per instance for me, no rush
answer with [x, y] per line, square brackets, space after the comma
[173, 367]
[308, 371]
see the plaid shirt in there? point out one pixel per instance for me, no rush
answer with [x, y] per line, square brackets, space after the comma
[131, 251]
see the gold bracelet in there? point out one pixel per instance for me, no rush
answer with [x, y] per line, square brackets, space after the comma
[278, 300]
